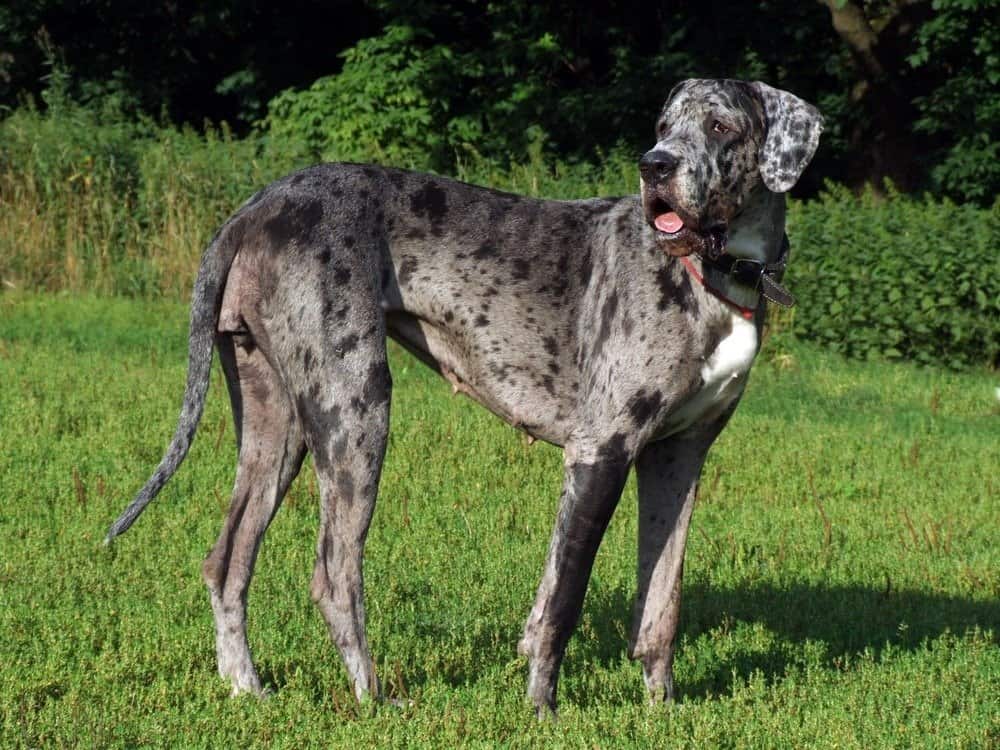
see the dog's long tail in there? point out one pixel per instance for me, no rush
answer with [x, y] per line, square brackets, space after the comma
[205, 304]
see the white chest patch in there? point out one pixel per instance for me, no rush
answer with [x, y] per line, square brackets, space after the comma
[722, 376]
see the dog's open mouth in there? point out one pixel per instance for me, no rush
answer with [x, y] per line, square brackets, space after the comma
[679, 235]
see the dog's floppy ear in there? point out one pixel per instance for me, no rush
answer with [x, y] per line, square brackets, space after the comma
[793, 128]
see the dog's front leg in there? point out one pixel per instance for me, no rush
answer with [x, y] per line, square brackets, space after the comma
[591, 488]
[667, 474]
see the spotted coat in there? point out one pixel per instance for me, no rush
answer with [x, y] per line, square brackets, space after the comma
[571, 320]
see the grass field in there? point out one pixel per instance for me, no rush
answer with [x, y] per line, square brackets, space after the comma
[842, 584]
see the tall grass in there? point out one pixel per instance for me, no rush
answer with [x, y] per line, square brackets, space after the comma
[90, 202]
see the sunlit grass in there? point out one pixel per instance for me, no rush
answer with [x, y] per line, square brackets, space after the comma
[842, 577]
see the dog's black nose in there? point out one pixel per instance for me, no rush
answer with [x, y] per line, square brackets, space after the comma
[657, 164]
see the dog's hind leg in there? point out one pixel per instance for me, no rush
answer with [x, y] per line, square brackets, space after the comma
[667, 474]
[342, 391]
[271, 449]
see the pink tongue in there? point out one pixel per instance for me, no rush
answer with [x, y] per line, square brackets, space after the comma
[670, 223]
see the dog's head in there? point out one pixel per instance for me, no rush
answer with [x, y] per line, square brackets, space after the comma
[717, 141]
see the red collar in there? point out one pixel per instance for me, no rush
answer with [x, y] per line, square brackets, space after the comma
[746, 312]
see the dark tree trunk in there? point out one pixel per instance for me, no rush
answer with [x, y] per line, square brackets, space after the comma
[882, 144]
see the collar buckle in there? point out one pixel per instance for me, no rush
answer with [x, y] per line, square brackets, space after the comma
[758, 276]
[748, 272]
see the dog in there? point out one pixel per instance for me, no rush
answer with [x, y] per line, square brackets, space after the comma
[620, 329]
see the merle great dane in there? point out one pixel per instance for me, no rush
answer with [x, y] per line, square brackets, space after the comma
[621, 329]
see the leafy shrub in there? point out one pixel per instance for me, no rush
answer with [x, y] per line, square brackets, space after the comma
[897, 277]
[381, 106]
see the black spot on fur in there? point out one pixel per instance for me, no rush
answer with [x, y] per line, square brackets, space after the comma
[482, 321]
[484, 251]
[294, 221]
[551, 345]
[430, 202]
[643, 407]
[324, 257]
[499, 371]
[341, 275]
[378, 384]
[561, 277]
[522, 269]
[406, 270]
[347, 344]
[549, 384]
[674, 291]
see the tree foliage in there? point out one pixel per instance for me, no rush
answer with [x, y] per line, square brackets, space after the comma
[908, 87]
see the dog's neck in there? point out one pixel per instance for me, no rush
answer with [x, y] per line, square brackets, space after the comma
[756, 234]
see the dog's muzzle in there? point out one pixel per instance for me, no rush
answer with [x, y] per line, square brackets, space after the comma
[677, 231]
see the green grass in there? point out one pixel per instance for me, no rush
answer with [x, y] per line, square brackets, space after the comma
[842, 576]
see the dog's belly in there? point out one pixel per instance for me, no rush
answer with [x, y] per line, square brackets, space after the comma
[539, 406]
[723, 377]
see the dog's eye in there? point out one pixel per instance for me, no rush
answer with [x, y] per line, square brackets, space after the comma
[718, 127]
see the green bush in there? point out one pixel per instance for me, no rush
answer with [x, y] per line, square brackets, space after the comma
[381, 106]
[897, 277]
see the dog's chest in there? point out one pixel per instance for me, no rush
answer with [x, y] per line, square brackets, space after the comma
[723, 376]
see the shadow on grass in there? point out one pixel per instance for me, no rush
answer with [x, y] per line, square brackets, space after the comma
[839, 621]
[844, 620]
